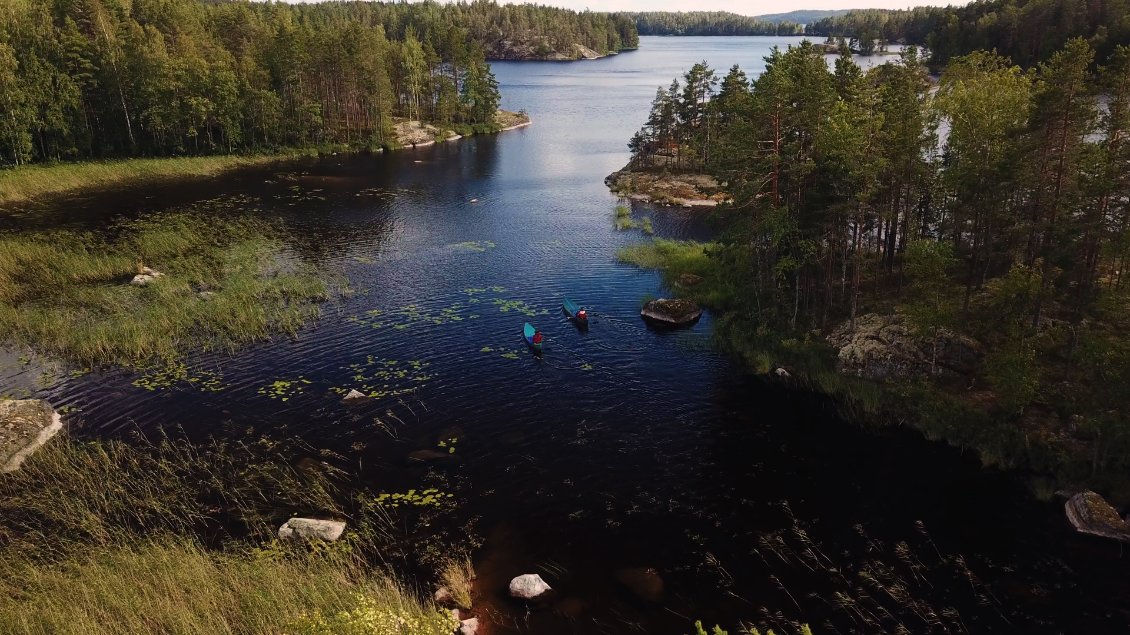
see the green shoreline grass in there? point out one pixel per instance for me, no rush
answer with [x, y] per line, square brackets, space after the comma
[168, 536]
[226, 283]
[24, 184]
[27, 183]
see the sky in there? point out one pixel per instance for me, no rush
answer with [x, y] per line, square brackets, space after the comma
[744, 7]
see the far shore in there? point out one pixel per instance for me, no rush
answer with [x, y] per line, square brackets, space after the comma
[28, 183]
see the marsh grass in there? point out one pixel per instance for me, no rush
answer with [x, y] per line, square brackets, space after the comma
[226, 282]
[674, 258]
[624, 221]
[167, 536]
[29, 182]
[75, 494]
[458, 576]
[176, 586]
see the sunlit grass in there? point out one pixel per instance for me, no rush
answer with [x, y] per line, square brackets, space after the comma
[170, 537]
[29, 182]
[225, 283]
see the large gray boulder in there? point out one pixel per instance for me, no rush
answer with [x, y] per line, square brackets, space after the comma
[311, 529]
[671, 312]
[529, 587]
[880, 347]
[25, 425]
[1090, 514]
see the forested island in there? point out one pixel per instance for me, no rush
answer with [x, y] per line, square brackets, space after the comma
[1026, 31]
[102, 78]
[710, 23]
[978, 271]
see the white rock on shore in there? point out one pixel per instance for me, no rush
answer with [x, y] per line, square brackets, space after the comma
[311, 529]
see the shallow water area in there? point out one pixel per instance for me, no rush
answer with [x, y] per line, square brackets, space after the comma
[621, 448]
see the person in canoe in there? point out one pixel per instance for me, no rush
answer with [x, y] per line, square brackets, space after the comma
[537, 339]
[582, 316]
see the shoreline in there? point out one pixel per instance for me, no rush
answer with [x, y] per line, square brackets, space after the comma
[844, 364]
[27, 184]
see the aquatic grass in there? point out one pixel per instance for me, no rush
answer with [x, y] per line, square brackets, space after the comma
[623, 221]
[284, 389]
[225, 283]
[518, 306]
[474, 246]
[168, 536]
[382, 378]
[73, 494]
[26, 183]
[429, 497]
[164, 377]
[412, 315]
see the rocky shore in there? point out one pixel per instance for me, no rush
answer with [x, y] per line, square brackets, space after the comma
[416, 134]
[530, 51]
[667, 187]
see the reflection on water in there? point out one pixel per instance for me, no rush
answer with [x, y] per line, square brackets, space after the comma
[622, 448]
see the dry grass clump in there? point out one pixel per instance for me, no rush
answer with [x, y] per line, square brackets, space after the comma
[458, 576]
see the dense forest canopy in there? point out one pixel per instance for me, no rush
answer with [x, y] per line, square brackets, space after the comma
[802, 16]
[96, 78]
[1014, 231]
[1025, 31]
[707, 23]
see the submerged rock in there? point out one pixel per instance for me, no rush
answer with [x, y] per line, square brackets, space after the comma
[428, 455]
[468, 627]
[1090, 514]
[644, 583]
[529, 587]
[25, 425]
[671, 312]
[354, 395]
[311, 529]
[882, 346]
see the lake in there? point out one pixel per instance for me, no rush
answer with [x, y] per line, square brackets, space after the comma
[622, 449]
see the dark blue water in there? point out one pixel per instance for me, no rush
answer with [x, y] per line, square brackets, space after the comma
[619, 447]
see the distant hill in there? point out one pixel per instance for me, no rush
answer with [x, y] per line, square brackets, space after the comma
[706, 23]
[802, 16]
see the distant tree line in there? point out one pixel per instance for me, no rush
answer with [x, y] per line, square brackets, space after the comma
[707, 23]
[1014, 229]
[1025, 31]
[83, 79]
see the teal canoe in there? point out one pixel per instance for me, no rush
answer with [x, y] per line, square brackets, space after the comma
[574, 312]
[528, 332]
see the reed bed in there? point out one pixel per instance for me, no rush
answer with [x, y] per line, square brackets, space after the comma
[168, 536]
[226, 282]
[26, 183]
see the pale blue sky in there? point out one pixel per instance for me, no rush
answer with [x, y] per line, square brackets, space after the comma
[744, 7]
